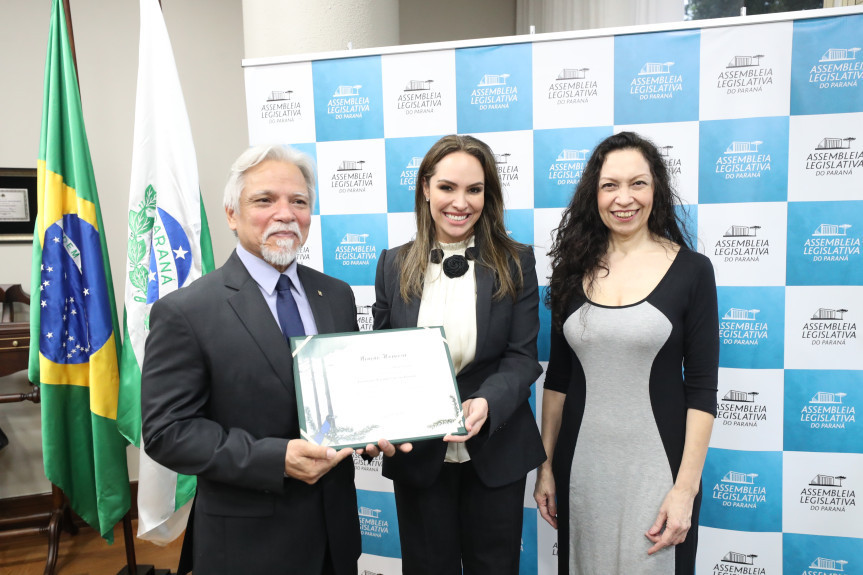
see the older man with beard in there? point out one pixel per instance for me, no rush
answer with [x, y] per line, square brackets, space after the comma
[218, 392]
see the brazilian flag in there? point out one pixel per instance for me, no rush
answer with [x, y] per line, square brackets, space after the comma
[73, 322]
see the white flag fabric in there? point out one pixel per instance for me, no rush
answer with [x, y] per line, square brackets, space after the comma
[168, 248]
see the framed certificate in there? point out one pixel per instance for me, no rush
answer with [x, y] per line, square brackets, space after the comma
[356, 388]
[17, 204]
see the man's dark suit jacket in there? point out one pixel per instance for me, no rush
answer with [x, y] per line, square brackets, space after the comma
[505, 366]
[218, 402]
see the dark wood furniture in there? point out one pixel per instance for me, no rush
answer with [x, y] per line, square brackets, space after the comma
[14, 357]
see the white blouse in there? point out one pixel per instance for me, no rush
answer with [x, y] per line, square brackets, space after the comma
[451, 303]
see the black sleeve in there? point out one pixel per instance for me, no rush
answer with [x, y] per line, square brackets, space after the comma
[701, 341]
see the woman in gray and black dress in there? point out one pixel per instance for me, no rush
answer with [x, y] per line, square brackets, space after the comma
[625, 428]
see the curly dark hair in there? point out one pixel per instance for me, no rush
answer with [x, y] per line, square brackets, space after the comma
[581, 240]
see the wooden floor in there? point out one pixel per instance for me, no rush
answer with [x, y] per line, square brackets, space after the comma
[83, 554]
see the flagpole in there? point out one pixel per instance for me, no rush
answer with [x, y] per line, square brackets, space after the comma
[68, 10]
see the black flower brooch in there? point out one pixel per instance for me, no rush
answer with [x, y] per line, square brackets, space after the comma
[454, 266]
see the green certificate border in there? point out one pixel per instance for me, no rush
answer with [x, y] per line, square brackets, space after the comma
[317, 418]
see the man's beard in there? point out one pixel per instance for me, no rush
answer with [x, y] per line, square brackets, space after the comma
[286, 249]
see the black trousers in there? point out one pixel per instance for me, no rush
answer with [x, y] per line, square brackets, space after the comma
[458, 523]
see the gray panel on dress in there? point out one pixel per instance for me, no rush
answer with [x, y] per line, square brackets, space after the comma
[620, 473]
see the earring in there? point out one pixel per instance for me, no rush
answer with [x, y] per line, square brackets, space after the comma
[427, 199]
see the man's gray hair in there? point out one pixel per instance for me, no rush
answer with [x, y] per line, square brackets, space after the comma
[257, 154]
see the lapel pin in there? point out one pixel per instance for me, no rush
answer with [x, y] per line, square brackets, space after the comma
[320, 294]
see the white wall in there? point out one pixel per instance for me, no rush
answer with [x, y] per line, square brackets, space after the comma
[208, 46]
[423, 21]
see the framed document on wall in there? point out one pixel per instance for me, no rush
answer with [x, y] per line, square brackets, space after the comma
[17, 204]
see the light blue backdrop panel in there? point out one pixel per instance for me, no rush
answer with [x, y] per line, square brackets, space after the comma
[747, 173]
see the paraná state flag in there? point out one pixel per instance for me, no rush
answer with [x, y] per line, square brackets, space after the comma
[168, 248]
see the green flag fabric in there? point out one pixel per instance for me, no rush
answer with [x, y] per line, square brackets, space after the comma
[73, 322]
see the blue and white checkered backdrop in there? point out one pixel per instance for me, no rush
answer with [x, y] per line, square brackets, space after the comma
[761, 123]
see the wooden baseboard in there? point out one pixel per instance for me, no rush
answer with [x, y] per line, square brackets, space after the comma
[27, 510]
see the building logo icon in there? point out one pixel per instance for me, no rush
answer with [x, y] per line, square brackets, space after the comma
[828, 410]
[743, 159]
[739, 558]
[826, 314]
[354, 238]
[573, 155]
[827, 480]
[741, 232]
[829, 327]
[493, 92]
[280, 107]
[824, 397]
[350, 165]
[347, 91]
[493, 80]
[827, 493]
[419, 86]
[835, 143]
[743, 147]
[280, 95]
[740, 396]
[738, 314]
[418, 97]
[831, 230]
[738, 477]
[834, 157]
[835, 565]
[572, 86]
[839, 54]
[368, 512]
[651, 68]
[745, 61]
[739, 409]
[572, 74]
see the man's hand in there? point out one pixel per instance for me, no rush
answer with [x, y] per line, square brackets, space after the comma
[309, 462]
[383, 446]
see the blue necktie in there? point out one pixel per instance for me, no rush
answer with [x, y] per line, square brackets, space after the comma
[286, 309]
